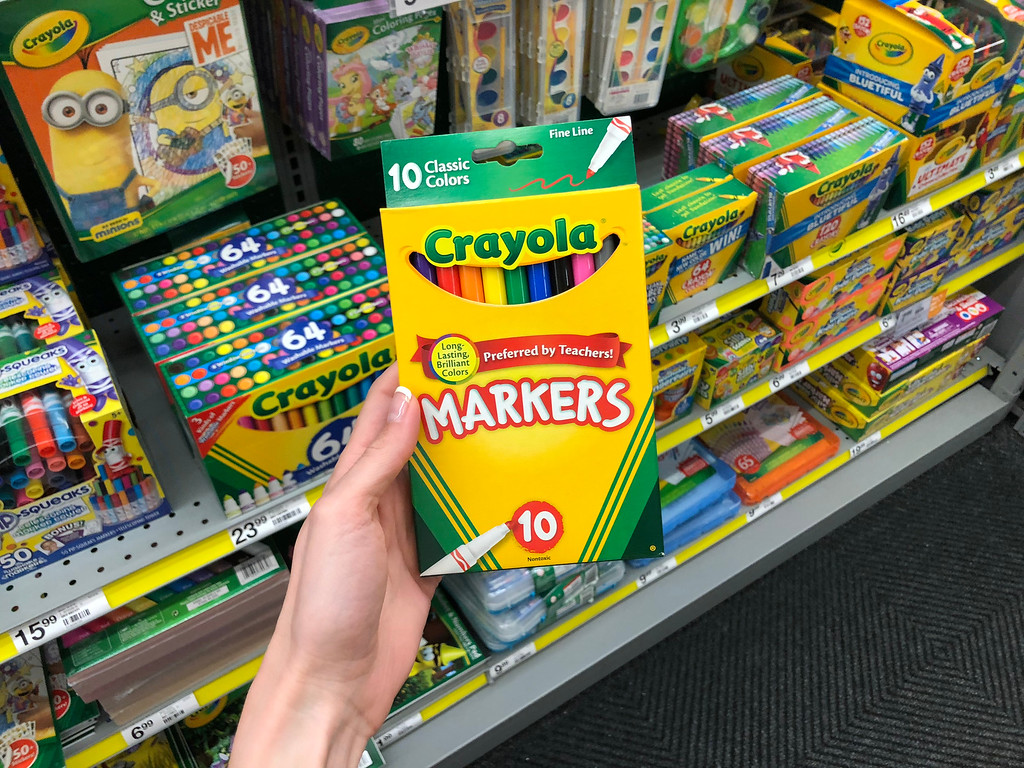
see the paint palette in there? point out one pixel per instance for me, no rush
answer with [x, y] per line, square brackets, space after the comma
[482, 64]
[550, 60]
[709, 32]
[176, 276]
[629, 48]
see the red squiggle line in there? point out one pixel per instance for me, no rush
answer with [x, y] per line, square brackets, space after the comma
[544, 185]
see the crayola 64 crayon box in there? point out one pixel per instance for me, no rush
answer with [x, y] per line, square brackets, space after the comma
[74, 470]
[137, 115]
[520, 380]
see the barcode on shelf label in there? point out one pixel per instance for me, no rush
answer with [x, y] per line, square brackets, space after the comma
[291, 512]
[691, 320]
[723, 411]
[863, 445]
[790, 274]
[511, 661]
[166, 717]
[264, 561]
[763, 506]
[664, 566]
[783, 379]
[85, 608]
[911, 213]
[1003, 168]
[263, 525]
[911, 317]
[399, 729]
[34, 633]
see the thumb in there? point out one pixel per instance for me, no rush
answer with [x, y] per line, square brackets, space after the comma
[375, 471]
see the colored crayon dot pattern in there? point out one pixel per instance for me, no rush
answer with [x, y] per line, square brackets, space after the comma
[222, 371]
[223, 310]
[654, 238]
[315, 413]
[179, 275]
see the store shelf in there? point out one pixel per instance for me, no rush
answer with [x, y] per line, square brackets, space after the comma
[110, 740]
[742, 289]
[519, 687]
[47, 603]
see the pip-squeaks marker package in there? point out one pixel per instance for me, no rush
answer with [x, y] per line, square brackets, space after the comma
[516, 265]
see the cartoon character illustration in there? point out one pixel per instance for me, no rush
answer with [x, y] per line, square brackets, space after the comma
[91, 372]
[237, 102]
[402, 90]
[390, 60]
[741, 136]
[882, 184]
[379, 99]
[189, 117]
[877, 376]
[353, 79]
[423, 115]
[790, 161]
[113, 452]
[923, 94]
[55, 304]
[844, 34]
[1010, 79]
[91, 150]
[714, 109]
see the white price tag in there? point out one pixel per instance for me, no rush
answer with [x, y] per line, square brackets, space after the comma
[887, 323]
[909, 214]
[261, 526]
[1011, 164]
[510, 662]
[722, 412]
[911, 317]
[166, 717]
[664, 565]
[402, 7]
[691, 320]
[399, 729]
[32, 634]
[868, 442]
[790, 274]
[784, 378]
[763, 506]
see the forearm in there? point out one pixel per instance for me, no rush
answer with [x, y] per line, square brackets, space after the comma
[296, 720]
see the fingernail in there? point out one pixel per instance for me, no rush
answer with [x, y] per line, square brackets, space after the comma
[399, 402]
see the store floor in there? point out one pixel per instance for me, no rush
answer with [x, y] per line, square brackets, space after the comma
[896, 641]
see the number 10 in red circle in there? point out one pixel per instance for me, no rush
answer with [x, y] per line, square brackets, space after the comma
[537, 526]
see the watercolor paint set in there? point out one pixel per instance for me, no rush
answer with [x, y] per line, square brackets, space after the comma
[520, 359]
[367, 76]
[136, 115]
[629, 51]
[482, 64]
[550, 54]
[820, 191]
[711, 31]
[688, 129]
[74, 472]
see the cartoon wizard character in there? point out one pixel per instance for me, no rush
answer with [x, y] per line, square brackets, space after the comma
[91, 372]
[91, 150]
[923, 94]
[54, 302]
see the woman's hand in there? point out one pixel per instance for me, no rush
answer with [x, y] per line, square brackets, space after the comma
[355, 609]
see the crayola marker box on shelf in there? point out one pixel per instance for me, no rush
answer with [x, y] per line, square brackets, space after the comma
[676, 367]
[74, 471]
[818, 192]
[515, 386]
[688, 129]
[739, 351]
[205, 266]
[138, 116]
[930, 240]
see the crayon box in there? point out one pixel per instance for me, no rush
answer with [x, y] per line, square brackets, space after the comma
[136, 114]
[512, 396]
[76, 473]
[919, 67]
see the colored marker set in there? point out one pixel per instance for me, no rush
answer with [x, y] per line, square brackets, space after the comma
[73, 471]
[136, 124]
[20, 243]
[512, 393]
[481, 61]
[36, 311]
[629, 45]
[551, 55]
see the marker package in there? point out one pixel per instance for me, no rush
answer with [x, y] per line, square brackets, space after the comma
[629, 46]
[521, 330]
[550, 54]
[482, 64]
[37, 311]
[74, 472]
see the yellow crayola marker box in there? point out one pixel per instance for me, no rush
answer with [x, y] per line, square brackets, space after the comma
[905, 291]
[814, 293]
[738, 351]
[761, 63]
[707, 231]
[676, 367]
[929, 241]
[918, 67]
[538, 380]
[1007, 120]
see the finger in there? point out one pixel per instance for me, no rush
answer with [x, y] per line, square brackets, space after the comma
[371, 420]
[381, 461]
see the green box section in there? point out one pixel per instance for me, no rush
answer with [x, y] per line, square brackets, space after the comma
[686, 183]
[250, 566]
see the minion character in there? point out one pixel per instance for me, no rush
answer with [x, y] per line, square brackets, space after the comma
[237, 102]
[189, 114]
[91, 149]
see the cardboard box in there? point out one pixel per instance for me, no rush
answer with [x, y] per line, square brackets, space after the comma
[676, 367]
[739, 351]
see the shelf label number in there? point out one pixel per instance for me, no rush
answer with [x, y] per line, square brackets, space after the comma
[86, 608]
[408, 175]
[784, 378]
[722, 412]
[664, 566]
[34, 633]
[262, 526]
[511, 661]
[399, 729]
[250, 530]
[764, 506]
[166, 717]
[868, 442]
[691, 320]
[906, 216]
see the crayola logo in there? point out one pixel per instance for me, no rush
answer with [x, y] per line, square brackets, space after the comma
[890, 49]
[832, 189]
[49, 39]
[350, 40]
[442, 246]
[747, 68]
